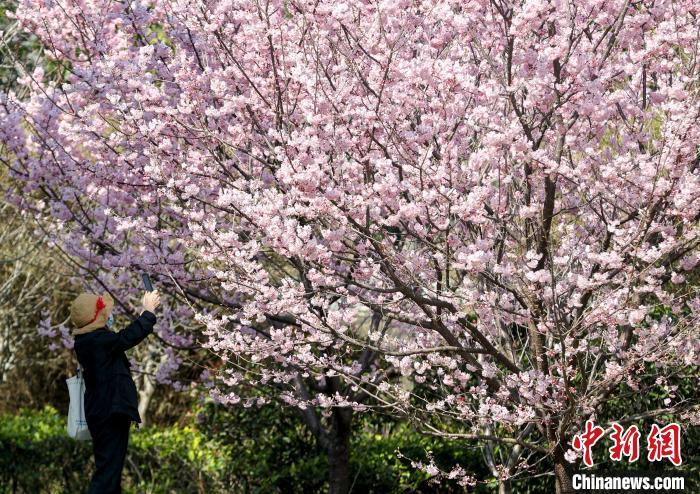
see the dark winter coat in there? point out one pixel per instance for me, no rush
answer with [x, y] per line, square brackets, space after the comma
[109, 387]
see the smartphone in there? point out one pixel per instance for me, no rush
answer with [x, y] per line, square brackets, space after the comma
[147, 282]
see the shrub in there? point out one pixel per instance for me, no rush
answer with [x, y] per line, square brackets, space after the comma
[37, 456]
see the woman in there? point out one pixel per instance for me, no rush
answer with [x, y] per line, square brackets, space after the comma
[111, 402]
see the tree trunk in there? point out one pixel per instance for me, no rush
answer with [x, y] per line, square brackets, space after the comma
[504, 487]
[334, 438]
[339, 469]
[145, 395]
[147, 386]
[562, 473]
[339, 452]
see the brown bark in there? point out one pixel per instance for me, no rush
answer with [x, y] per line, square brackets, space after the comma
[339, 469]
[562, 473]
[339, 452]
[333, 437]
[504, 487]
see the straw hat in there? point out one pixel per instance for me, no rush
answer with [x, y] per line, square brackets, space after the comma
[89, 312]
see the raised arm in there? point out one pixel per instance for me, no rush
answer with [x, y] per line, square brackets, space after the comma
[133, 334]
[139, 328]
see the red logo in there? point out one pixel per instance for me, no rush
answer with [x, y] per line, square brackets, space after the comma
[662, 442]
[626, 444]
[665, 442]
[585, 442]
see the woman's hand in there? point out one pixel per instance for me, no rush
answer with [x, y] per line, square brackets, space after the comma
[150, 301]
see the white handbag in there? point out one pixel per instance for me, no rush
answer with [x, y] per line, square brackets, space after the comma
[77, 425]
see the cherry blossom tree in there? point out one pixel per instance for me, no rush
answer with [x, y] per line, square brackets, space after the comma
[488, 199]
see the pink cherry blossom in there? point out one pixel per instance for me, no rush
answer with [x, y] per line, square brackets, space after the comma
[342, 198]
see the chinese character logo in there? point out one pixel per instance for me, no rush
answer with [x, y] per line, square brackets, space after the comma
[662, 442]
[626, 444]
[665, 442]
[585, 442]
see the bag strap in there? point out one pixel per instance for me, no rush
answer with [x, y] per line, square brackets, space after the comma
[81, 407]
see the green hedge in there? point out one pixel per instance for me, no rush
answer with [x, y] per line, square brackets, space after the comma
[227, 450]
[37, 456]
[275, 453]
